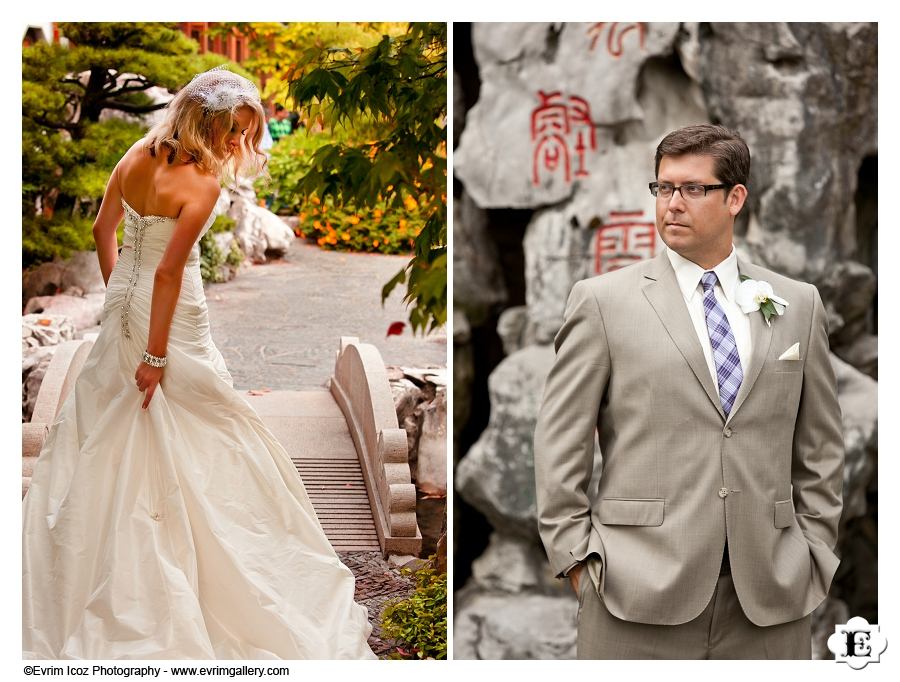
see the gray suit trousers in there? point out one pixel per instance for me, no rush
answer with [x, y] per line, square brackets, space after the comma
[721, 631]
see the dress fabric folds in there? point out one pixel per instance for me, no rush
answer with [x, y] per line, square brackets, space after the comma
[182, 531]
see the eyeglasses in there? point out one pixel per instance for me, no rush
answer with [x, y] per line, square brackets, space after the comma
[692, 190]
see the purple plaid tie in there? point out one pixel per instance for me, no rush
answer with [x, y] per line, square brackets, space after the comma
[724, 349]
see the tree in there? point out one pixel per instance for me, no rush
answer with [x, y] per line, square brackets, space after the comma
[275, 48]
[397, 86]
[68, 152]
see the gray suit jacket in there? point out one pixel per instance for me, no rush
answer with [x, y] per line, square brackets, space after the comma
[678, 478]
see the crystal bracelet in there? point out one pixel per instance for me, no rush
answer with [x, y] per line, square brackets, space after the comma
[154, 360]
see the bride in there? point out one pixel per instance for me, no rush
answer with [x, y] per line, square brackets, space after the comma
[164, 521]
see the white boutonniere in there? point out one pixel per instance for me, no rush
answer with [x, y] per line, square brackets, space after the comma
[758, 295]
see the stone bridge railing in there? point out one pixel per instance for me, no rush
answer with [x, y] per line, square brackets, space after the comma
[55, 387]
[360, 387]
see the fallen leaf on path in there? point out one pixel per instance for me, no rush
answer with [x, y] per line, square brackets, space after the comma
[396, 329]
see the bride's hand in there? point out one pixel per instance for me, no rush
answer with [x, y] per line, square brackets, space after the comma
[147, 379]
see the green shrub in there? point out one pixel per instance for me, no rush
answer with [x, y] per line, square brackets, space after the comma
[419, 622]
[211, 256]
[44, 239]
[383, 228]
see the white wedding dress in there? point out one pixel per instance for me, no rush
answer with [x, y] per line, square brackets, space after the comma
[182, 531]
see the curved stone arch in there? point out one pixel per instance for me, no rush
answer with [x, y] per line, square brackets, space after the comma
[360, 387]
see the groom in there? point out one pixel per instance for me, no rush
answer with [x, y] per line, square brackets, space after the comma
[710, 532]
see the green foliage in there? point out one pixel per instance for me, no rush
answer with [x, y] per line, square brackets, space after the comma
[399, 87]
[419, 621]
[291, 159]
[275, 47]
[378, 228]
[68, 153]
[211, 256]
[333, 224]
[44, 239]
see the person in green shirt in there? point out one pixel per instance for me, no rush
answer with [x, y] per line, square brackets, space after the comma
[280, 125]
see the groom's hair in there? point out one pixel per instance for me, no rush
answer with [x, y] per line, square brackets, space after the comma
[727, 147]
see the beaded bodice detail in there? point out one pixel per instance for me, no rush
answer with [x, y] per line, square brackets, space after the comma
[137, 228]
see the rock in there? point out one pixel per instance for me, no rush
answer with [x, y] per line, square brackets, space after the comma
[829, 613]
[223, 241]
[404, 561]
[423, 377]
[478, 286]
[557, 254]
[463, 374]
[260, 232]
[406, 397]
[459, 108]
[496, 476]
[43, 280]
[33, 357]
[510, 564]
[848, 290]
[583, 78]
[805, 100]
[431, 468]
[862, 353]
[292, 221]
[513, 329]
[489, 625]
[245, 190]
[34, 367]
[82, 270]
[858, 398]
[437, 376]
[440, 552]
[46, 330]
[411, 425]
[394, 373]
[83, 311]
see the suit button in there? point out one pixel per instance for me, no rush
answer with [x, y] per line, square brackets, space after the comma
[723, 493]
[727, 432]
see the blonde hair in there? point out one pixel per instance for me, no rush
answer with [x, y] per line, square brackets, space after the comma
[194, 128]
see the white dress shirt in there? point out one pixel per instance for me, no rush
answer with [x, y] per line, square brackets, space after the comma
[688, 274]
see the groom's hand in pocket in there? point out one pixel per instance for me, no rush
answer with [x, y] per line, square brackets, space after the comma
[576, 575]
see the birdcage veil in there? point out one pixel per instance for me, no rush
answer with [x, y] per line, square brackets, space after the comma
[197, 117]
[219, 89]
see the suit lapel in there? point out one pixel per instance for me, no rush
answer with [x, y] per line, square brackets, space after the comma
[661, 289]
[761, 339]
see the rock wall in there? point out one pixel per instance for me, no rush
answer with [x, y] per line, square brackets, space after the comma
[564, 129]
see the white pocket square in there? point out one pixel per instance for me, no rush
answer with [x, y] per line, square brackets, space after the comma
[792, 353]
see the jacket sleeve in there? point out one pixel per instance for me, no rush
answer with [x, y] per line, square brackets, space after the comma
[817, 468]
[564, 433]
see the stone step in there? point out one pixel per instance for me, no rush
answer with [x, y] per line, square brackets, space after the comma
[311, 427]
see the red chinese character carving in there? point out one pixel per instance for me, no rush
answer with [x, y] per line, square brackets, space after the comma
[623, 241]
[552, 123]
[615, 35]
